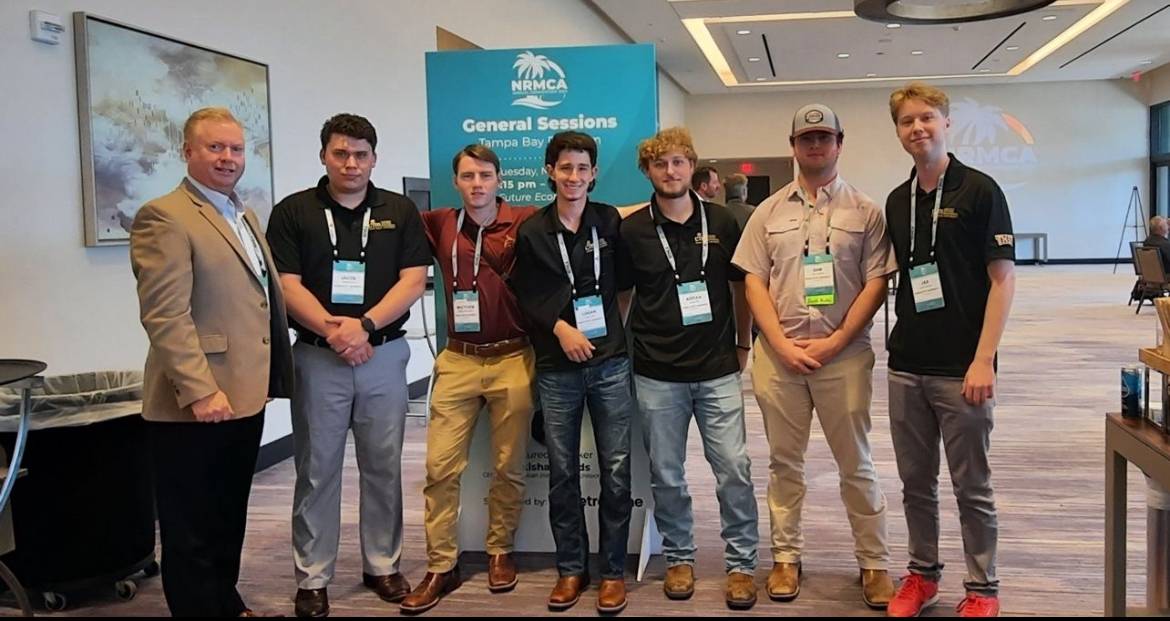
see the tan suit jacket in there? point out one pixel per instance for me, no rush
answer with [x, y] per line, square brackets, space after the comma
[211, 326]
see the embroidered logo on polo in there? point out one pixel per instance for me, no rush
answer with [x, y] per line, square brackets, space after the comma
[711, 239]
[601, 242]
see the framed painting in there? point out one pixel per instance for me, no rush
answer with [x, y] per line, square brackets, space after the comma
[135, 89]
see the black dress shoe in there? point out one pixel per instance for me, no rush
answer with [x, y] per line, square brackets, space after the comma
[312, 603]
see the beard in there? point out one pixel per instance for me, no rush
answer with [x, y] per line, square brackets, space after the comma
[660, 191]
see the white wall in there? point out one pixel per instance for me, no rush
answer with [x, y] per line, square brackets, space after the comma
[1090, 148]
[75, 307]
[1158, 83]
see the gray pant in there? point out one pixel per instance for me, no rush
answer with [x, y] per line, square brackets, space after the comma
[331, 397]
[923, 409]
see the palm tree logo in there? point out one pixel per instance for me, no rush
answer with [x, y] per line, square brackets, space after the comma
[540, 82]
[974, 124]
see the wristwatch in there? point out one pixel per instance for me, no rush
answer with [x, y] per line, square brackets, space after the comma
[368, 325]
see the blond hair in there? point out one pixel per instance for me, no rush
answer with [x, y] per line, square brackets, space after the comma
[923, 92]
[665, 141]
[222, 115]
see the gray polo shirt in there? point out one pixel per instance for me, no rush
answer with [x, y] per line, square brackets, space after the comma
[772, 248]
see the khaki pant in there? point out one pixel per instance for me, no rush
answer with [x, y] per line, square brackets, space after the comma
[840, 393]
[463, 386]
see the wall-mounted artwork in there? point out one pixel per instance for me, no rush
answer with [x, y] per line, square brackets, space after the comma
[135, 89]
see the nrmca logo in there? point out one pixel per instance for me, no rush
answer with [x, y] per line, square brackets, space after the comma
[986, 136]
[539, 82]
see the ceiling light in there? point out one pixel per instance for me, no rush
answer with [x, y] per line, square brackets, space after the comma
[1048, 18]
[843, 55]
[754, 59]
[743, 32]
[985, 71]
[1012, 48]
[871, 75]
[760, 79]
[1146, 62]
[893, 25]
[916, 53]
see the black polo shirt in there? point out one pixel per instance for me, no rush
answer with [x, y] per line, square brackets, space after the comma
[542, 286]
[299, 237]
[663, 348]
[974, 229]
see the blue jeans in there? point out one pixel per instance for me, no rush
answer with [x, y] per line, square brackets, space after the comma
[717, 406]
[605, 387]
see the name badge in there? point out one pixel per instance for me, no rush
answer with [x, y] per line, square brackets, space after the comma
[590, 314]
[926, 285]
[349, 282]
[818, 280]
[466, 308]
[694, 302]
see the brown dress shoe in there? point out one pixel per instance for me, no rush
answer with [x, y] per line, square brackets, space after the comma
[567, 591]
[740, 592]
[501, 573]
[428, 592]
[877, 589]
[784, 581]
[391, 588]
[612, 596]
[679, 582]
[312, 603]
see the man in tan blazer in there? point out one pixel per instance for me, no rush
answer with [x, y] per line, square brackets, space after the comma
[213, 311]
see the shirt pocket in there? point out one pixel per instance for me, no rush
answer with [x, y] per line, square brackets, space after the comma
[847, 237]
[784, 239]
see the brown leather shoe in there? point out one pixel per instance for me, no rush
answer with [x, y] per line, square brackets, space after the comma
[740, 592]
[392, 588]
[501, 573]
[428, 592]
[679, 582]
[784, 581]
[877, 589]
[567, 591]
[611, 598]
[312, 603]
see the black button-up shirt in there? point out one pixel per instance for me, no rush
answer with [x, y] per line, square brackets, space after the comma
[542, 285]
[663, 348]
[298, 235]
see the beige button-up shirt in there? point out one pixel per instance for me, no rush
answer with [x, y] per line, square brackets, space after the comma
[839, 218]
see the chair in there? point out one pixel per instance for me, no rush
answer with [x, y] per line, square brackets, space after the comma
[1153, 281]
[1135, 292]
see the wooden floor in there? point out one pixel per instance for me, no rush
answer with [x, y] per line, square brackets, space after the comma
[1070, 332]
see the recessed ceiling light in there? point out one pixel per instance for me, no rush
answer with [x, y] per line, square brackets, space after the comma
[743, 32]
[1048, 18]
[843, 55]
[712, 161]
[754, 59]
[1012, 48]
[893, 25]
[1146, 62]
[985, 71]
[871, 75]
[916, 53]
[760, 79]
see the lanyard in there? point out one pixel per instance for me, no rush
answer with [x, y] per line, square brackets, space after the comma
[333, 232]
[454, 258]
[808, 222]
[569, 267]
[666, 246]
[938, 192]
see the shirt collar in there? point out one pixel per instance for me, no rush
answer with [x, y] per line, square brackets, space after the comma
[830, 190]
[660, 218]
[953, 178]
[223, 203]
[588, 219]
[373, 196]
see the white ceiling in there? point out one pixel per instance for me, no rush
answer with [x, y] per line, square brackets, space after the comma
[804, 52]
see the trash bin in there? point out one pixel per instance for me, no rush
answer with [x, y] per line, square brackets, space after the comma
[83, 516]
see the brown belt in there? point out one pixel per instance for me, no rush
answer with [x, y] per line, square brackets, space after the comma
[487, 350]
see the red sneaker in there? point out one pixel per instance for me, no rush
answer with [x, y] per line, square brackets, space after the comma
[976, 605]
[914, 594]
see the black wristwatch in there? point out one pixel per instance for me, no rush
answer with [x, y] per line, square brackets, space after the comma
[368, 325]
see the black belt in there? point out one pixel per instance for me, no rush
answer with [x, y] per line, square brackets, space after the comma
[309, 338]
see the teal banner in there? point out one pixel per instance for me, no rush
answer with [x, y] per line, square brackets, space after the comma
[513, 101]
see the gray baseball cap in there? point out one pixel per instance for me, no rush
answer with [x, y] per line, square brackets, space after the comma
[815, 118]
